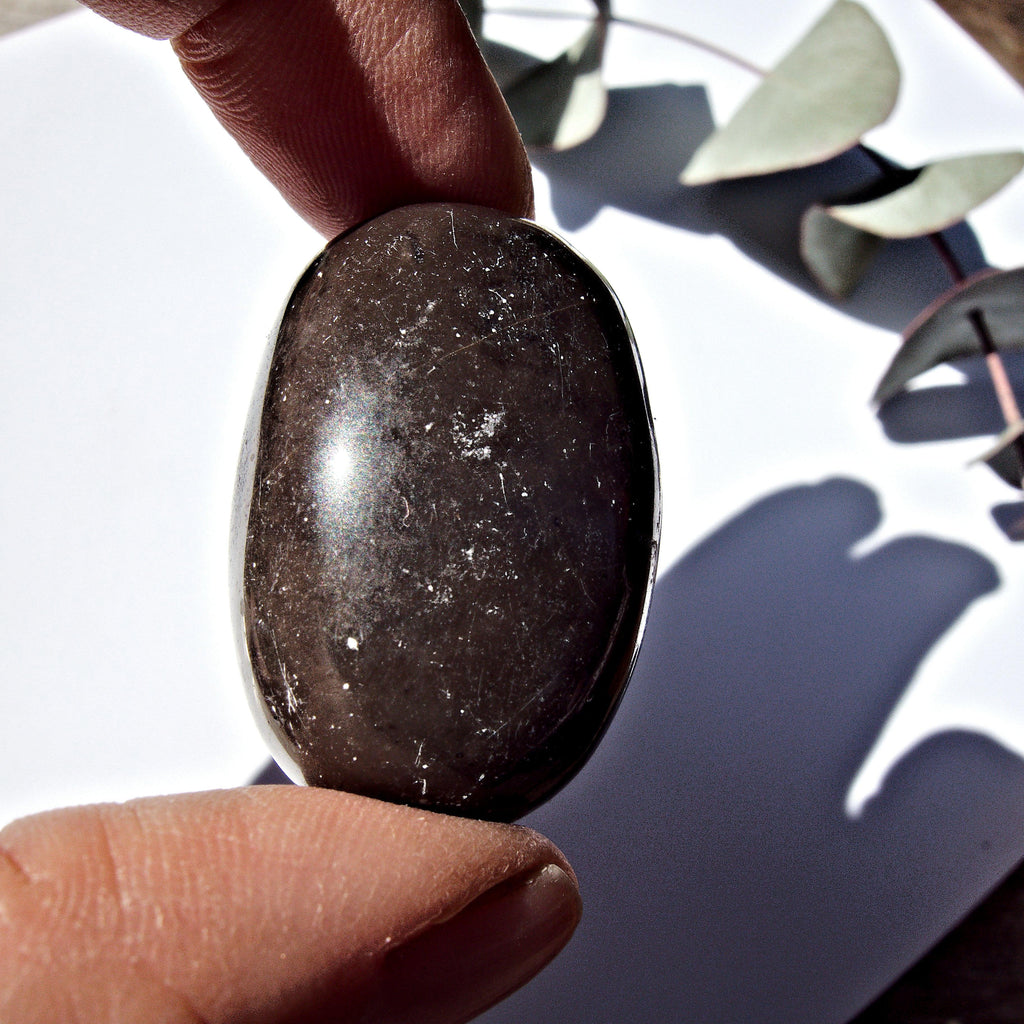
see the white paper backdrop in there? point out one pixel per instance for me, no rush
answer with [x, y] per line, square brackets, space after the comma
[817, 768]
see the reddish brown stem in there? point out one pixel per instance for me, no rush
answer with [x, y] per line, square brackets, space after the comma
[993, 360]
[949, 260]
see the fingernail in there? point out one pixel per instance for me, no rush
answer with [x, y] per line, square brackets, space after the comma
[460, 967]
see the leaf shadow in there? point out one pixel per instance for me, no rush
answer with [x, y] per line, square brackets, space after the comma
[950, 411]
[947, 412]
[722, 879]
[633, 163]
[649, 134]
[1009, 517]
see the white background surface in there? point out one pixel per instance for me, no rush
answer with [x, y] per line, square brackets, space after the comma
[837, 613]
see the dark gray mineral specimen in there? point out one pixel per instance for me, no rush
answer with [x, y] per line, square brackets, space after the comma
[447, 515]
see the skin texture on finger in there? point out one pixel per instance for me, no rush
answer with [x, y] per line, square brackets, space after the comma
[272, 904]
[161, 19]
[349, 107]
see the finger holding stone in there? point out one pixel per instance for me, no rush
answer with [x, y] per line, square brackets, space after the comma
[272, 904]
[349, 108]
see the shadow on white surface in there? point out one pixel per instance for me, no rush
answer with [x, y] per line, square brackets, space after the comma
[271, 774]
[634, 162]
[723, 881]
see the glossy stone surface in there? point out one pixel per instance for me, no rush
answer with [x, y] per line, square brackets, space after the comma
[447, 515]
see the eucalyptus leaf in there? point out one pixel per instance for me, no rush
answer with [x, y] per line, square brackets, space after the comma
[562, 102]
[1004, 456]
[836, 254]
[942, 194]
[944, 332]
[839, 81]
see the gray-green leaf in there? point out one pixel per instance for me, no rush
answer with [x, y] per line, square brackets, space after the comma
[836, 254]
[942, 194]
[839, 81]
[944, 332]
[561, 103]
[1004, 457]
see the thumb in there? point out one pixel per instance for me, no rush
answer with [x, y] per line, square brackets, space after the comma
[272, 904]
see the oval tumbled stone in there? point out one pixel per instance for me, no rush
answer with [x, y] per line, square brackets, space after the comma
[447, 516]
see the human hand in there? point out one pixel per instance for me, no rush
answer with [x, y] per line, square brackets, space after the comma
[350, 107]
[272, 904]
[281, 904]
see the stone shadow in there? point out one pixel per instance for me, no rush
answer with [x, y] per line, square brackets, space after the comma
[271, 774]
[723, 882]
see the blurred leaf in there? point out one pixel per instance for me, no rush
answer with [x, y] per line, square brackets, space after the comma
[1004, 456]
[943, 331]
[836, 254]
[840, 80]
[561, 103]
[942, 194]
[474, 12]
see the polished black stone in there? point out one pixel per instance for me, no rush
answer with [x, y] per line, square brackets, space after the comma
[448, 514]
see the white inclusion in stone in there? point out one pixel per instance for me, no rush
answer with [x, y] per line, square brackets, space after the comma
[491, 422]
[352, 643]
[473, 439]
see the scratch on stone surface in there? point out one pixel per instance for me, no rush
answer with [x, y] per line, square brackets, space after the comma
[544, 314]
[586, 593]
[520, 716]
[290, 697]
[557, 348]
[455, 241]
[450, 355]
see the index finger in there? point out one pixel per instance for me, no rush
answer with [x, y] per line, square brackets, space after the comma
[350, 108]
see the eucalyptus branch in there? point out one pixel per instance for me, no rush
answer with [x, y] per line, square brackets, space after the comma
[677, 35]
[887, 208]
[993, 360]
